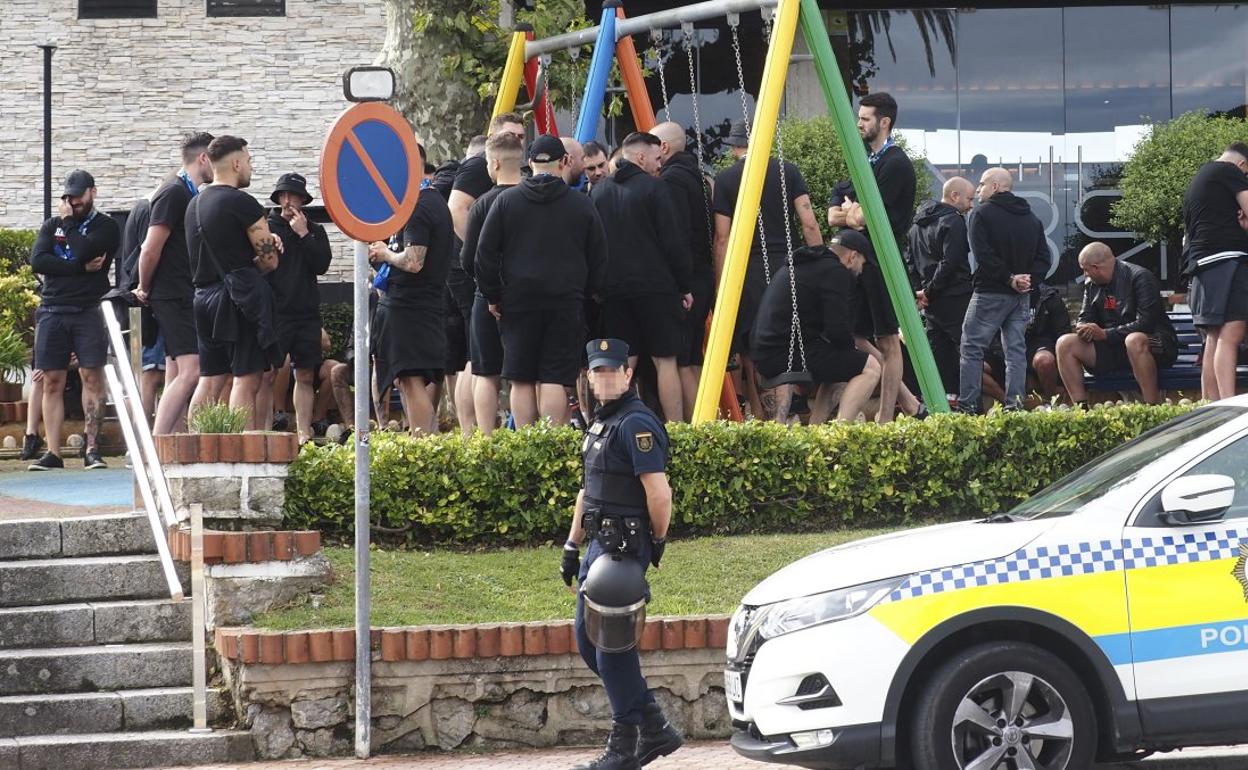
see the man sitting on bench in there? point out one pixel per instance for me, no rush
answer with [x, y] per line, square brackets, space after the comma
[1122, 324]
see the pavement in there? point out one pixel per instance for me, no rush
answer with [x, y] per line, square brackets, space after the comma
[697, 756]
[65, 493]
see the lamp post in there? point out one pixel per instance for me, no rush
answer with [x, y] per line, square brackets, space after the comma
[47, 48]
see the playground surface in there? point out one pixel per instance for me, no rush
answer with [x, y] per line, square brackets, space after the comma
[67, 493]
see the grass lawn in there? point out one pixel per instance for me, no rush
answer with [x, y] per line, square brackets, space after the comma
[701, 576]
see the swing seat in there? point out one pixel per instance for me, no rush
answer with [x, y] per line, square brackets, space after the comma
[787, 378]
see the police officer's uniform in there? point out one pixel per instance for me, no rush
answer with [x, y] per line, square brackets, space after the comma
[626, 440]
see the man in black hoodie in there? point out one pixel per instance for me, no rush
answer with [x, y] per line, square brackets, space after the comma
[542, 250]
[939, 250]
[691, 193]
[73, 252]
[1011, 254]
[305, 255]
[649, 277]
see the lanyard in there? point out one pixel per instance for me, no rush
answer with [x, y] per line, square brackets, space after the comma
[189, 184]
[82, 228]
[875, 156]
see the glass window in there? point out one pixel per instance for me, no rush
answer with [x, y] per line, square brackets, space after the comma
[1230, 461]
[1209, 45]
[246, 7]
[1010, 78]
[116, 9]
[911, 55]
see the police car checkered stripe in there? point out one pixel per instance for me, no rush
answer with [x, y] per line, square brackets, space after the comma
[1079, 559]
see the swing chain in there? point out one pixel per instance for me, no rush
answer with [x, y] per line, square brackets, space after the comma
[687, 30]
[575, 55]
[733, 22]
[660, 64]
[550, 102]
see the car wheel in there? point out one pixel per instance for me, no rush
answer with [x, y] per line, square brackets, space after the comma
[1003, 706]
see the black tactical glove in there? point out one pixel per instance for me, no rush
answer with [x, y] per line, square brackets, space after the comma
[570, 566]
[656, 551]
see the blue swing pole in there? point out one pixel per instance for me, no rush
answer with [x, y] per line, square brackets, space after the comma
[599, 72]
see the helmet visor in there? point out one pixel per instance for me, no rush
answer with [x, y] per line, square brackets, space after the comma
[614, 629]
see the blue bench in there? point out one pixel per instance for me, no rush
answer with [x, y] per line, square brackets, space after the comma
[1184, 374]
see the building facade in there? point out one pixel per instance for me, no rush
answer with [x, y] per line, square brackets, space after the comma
[131, 76]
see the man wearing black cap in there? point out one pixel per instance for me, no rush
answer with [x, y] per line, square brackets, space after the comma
[625, 507]
[73, 252]
[305, 255]
[542, 251]
[769, 253]
[649, 275]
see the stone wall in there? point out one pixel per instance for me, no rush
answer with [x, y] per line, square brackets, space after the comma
[125, 90]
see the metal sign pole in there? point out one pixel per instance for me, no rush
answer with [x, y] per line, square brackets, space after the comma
[363, 626]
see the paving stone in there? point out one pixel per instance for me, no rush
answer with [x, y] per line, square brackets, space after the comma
[96, 535]
[158, 620]
[169, 708]
[54, 581]
[33, 539]
[77, 669]
[114, 751]
[59, 625]
[26, 715]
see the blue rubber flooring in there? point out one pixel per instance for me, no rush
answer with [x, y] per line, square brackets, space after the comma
[108, 487]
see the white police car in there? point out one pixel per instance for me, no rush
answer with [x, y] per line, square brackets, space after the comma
[1104, 618]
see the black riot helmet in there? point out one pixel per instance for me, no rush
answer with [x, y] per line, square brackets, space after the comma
[615, 593]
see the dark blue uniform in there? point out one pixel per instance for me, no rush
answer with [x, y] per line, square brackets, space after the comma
[625, 441]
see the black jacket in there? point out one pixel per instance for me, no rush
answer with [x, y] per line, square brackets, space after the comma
[693, 206]
[542, 247]
[938, 248]
[294, 282]
[1130, 302]
[61, 253]
[472, 230]
[825, 290]
[647, 243]
[1048, 320]
[1006, 239]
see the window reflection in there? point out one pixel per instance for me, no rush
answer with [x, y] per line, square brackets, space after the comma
[1208, 44]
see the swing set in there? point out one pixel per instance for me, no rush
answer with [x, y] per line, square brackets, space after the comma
[529, 60]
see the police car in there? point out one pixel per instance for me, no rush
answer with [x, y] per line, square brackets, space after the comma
[1103, 619]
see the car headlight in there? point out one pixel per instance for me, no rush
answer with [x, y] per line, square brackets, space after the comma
[805, 611]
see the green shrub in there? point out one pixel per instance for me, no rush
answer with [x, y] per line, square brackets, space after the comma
[218, 418]
[14, 356]
[520, 486]
[15, 248]
[338, 322]
[1161, 166]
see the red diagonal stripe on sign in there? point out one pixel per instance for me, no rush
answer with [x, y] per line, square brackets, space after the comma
[372, 170]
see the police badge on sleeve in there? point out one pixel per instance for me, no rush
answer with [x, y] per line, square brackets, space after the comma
[645, 441]
[1241, 568]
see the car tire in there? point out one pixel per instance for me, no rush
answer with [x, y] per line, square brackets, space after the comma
[991, 702]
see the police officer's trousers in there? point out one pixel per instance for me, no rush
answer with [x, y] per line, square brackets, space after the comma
[620, 673]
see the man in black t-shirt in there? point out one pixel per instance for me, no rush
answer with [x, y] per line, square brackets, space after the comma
[1216, 258]
[766, 256]
[231, 248]
[73, 252]
[409, 333]
[165, 280]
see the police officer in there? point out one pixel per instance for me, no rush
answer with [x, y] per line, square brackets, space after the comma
[624, 507]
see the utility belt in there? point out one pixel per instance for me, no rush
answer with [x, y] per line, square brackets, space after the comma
[616, 532]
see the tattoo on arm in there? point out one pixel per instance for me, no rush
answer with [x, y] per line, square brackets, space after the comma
[412, 260]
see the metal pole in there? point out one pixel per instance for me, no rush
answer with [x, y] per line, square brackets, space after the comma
[48, 48]
[745, 213]
[881, 231]
[513, 75]
[199, 664]
[363, 625]
[599, 73]
[634, 82]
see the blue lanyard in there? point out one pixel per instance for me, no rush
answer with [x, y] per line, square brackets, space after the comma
[875, 156]
[64, 251]
[82, 228]
[189, 184]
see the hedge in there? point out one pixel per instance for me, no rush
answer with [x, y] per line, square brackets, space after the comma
[519, 486]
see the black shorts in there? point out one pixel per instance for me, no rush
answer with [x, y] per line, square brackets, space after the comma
[301, 340]
[176, 320]
[457, 323]
[542, 345]
[824, 363]
[747, 310]
[695, 320]
[1112, 356]
[57, 334]
[1219, 294]
[238, 357]
[485, 346]
[652, 325]
[875, 316]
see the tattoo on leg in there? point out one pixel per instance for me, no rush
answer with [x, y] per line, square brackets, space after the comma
[92, 418]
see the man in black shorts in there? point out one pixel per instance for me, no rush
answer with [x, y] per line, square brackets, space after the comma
[409, 331]
[231, 248]
[73, 252]
[1215, 255]
[824, 280]
[165, 279]
[542, 251]
[305, 255]
[766, 255]
[504, 154]
[649, 275]
[1122, 325]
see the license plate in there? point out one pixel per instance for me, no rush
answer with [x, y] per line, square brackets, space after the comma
[732, 686]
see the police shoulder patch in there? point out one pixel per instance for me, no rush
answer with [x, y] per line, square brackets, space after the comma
[1240, 571]
[645, 441]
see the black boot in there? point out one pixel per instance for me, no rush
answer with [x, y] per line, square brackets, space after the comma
[658, 737]
[621, 750]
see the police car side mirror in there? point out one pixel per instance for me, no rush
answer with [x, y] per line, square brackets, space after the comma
[1197, 499]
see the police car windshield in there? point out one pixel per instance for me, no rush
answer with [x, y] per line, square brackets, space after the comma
[1121, 465]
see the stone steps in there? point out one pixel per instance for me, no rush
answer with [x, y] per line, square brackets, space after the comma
[124, 533]
[94, 668]
[75, 625]
[115, 751]
[32, 582]
[165, 708]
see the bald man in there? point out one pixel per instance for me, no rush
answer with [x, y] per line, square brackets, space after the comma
[939, 249]
[1011, 255]
[691, 192]
[1122, 324]
[576, 161]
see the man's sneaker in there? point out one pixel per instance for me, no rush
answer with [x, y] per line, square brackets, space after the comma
[92, 460]
[49, 462]
[31, 446]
